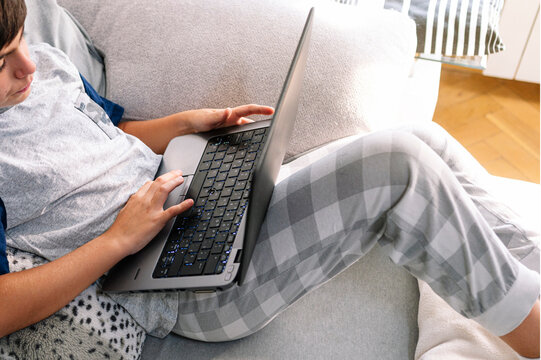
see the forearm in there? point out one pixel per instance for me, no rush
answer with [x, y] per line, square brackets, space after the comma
[29, 296]
[157, 133]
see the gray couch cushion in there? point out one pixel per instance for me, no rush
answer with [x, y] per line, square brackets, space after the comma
[367, 312]
[166, 56]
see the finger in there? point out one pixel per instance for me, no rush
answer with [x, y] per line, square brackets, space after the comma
[252, 109]
[162, 192]
[179, 208]
[243, 121]
[162, 180]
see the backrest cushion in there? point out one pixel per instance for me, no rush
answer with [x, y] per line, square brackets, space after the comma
[166, 56]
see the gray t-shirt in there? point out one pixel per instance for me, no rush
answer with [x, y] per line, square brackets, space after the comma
[66, 171]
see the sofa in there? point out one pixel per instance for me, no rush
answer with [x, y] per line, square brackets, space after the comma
[165, 56]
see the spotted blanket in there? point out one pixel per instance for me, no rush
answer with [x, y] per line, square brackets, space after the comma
[91, 326]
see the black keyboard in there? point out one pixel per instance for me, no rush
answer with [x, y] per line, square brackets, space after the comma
[201, 239]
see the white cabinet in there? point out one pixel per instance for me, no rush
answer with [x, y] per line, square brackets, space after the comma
[519, 29]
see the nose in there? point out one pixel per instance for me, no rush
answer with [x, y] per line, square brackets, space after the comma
[24, 65]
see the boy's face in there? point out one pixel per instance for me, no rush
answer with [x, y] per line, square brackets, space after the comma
[16, 69]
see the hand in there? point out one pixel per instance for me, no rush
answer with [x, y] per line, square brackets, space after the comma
[143, 215]
[208, 119]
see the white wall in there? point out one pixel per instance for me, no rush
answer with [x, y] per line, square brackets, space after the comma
[519, 29]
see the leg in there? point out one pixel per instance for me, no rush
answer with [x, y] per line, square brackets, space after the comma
[503, 221]
[327, 216]
[474, 179]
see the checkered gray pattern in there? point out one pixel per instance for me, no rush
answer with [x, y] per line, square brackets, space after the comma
[402, 189]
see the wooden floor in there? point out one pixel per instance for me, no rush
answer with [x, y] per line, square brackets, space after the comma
[496, 120]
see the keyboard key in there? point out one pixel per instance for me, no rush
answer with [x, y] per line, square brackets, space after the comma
[177, 263]
[219, 211]
[227, 192]
[253, 148]
[204, 166]
[219, 185]
[234, 173]
[240, 185]
[247, 135]
[203, 226]
[194, 247]
[160, 272]
[220, 268]
[207, 244]
[203, 255]
[233, 205]
[189, 258]
[217, 249]
[207, 215]
[225, 226]
[211, 233]
[215, 222]
[208, 183]
[250, 157]
[229, 215]
[244, 175]
[210, 267]
[223, 147]
[247, 166]
[210, 205]
[194, 269]
[221, 177]
[207, 157]
[212, 174]
[214, 195]
[219, 156]
[221, 237]
[240, 154]
[222, 202]
[229, 158]
[237, 195]
[200, 202]
[199, 236]
[225, 167]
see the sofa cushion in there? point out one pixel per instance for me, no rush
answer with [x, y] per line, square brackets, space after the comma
[167, 56]
[367, 312]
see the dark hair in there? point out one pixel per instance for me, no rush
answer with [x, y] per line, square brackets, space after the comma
[12, 15]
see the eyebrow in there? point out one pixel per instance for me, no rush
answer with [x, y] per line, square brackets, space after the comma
[12, 51]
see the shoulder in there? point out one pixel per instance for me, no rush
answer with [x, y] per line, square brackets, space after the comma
[50, 59]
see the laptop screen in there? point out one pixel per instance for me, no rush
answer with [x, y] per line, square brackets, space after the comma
[273, 154]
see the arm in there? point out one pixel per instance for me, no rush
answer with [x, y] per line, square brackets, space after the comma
[29, 296]
[157, 133]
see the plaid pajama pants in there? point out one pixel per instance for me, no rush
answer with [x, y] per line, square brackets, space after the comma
[414, 192]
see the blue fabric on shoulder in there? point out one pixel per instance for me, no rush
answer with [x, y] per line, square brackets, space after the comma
[112, 109]
[4, 266]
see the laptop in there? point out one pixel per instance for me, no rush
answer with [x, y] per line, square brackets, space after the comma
[230, 173]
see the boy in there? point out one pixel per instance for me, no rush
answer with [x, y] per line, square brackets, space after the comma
[401, 189]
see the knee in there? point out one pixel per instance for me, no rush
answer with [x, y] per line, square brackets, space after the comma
[386, 157]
